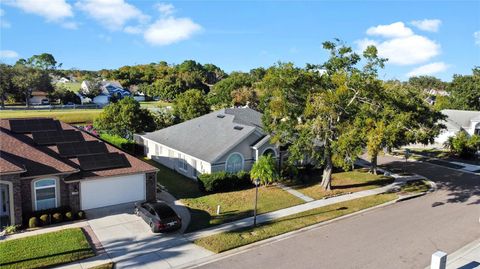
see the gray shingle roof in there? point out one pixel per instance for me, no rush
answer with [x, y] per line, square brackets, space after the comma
[209, 136]
[459, 118]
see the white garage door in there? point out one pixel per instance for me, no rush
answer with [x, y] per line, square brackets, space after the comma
[111, 191]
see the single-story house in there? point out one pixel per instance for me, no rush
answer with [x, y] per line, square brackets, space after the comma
[47, 164]
[229, 140]
[458, 120]
[38, 98]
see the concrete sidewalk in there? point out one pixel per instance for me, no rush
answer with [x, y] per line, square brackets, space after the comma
[467, 257]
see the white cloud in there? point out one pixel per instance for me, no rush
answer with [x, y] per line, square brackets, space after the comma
[169, 30]
[397, 29]
[428, 69]
[113, 14]
[8, 54]
[3, 22]
[51, 10]
[400, 45]
[165, 9]
[476, 36]
[133, 29]
[427, 25]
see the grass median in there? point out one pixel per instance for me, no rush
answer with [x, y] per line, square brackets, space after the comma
[233, 239]
[45, 250]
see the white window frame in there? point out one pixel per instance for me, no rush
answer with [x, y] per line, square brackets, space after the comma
[35, 188]
[231, 154]
[182, 163]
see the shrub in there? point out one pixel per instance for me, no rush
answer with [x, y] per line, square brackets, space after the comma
[11, 229]
[45, 219]
[33, 222]
[265, 170]
[463, 145]
[223, 181]
[69, 216]
[57, 217]
[81, 214]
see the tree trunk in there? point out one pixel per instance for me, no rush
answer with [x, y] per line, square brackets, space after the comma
[2, 101]
[373, 160]
[327, 173]
[27, 100]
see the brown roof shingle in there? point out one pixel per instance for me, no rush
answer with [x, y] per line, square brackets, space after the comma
[20, 149]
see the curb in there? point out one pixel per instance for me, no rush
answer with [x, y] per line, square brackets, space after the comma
[228, 253]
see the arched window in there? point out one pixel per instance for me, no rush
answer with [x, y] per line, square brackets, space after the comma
[269, 151]
[234, 163]
[45, 193]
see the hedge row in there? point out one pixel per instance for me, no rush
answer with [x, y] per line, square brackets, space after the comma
[52, 216]
[223, 181]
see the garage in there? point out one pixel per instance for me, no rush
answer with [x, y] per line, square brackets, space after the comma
[111, 191]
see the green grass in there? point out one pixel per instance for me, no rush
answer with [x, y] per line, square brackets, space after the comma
[146, 104]
[233, 239]
[415, 186]
[72, 86]
[68, 116]
[45, 250]
[344, 182]
[234, 205]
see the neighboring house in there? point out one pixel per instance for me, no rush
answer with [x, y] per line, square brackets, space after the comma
[63, 80]
[229, 140]
[47, 164]
[38, 98]
[457, 120]
[109, 89]
[84, 99]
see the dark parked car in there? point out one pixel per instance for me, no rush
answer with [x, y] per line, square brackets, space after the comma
[160, 216]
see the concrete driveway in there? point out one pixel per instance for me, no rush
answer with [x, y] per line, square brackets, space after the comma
[128, 241]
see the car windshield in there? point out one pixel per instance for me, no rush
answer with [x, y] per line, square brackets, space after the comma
[163, 211]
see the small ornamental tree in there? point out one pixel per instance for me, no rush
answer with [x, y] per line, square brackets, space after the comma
[265, 170]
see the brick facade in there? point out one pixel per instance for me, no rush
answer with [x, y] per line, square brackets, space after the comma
[17, 196]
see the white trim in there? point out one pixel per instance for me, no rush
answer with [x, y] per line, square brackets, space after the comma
[34, 191]
[230, 155]
[10, 198]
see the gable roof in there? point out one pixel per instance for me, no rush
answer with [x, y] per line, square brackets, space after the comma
[458, 119]
[207, 137]
[20, 150]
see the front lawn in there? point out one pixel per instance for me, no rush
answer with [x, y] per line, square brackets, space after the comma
[342, 183]
[154, 104]
[233, 205]
[236, 205]
[65, 115]
[45, 250]
[229, 240]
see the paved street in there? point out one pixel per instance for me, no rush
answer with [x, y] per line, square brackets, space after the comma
[403, 235]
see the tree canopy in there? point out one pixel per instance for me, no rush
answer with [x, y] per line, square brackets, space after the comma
[190, 104]
[124, 118]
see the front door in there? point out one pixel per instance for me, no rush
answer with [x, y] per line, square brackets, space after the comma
[4, 205]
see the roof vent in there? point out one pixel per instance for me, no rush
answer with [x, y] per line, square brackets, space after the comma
[238, 127]
[221, 116]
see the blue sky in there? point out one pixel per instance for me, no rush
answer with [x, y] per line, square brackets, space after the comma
[438, 38]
